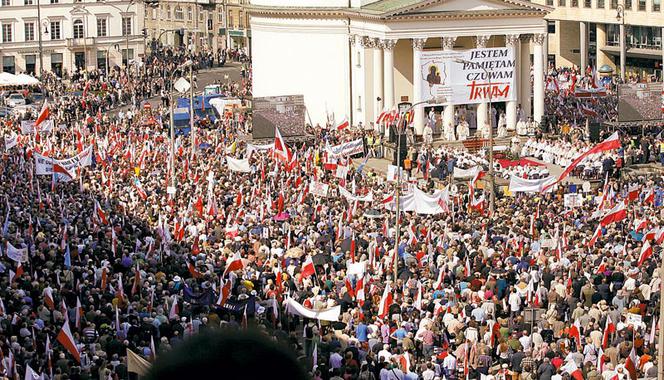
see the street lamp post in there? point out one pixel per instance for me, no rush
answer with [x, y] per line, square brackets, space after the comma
[620, 16]
[128, 32]
[397, 234]
[41, 51]
[492, 177]
[172, 122]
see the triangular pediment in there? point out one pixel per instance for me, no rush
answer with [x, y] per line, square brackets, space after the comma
[391, 8]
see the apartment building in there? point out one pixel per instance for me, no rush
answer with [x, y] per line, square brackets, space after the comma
[199, 24]
[587, 32]
[75, 34]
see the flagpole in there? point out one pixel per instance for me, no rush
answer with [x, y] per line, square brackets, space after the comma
[660, 339]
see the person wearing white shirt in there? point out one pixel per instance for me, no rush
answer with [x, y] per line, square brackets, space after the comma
[515, 302]
[385, 354]
[449, 364]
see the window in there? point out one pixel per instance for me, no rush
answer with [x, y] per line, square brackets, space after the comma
[230, 21]
[614, 4]
[126, 26]
[179, 14]
[600, 4]
[549, 3]
[168, 12]
[124, 55]
[190, 14]
[586, 4]
[28, 2]
[78, 29]
[55, 30]
[8, 65]
[221, 17]
[241, 21]
[628, 5]
[201, 16]
[551, 27]
[55, 1]
[562, 3]
[575, 3]
[656, 5]
[101, 27]
[7, 33]
[642, 5]
[6, 3]
[29, 28]
[154, 13]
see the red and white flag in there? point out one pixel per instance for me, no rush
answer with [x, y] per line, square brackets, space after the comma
[343, 124]
[633, 192]
[385, 302]
[611, 143]
[359, 291]
[234, 263]
[67, 340]
[614, 215]
[281, 151]
[646, 252]
[99, 212]
[43, 114]
[596, 235]
[48, 298]
[609, 328]
[640, 224]
[649, 197]
[308, 268]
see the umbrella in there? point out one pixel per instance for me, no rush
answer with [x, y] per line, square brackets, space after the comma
[282, 216]
[373, 214]
[27, 80]
[295, 253]
[8, 79]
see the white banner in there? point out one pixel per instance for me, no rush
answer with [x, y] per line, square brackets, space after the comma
[16, 254]
[466, 173]
[352, 198]
[28, 126]
[573, 200]
[238, 165]
[44, 165]
[11, 141]
[251, 148]
[329, 314]
[318, 189]
[346, 149]
[518, 184]
[467, 83]
[357, 269]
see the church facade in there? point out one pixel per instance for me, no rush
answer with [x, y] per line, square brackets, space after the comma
[355, 58]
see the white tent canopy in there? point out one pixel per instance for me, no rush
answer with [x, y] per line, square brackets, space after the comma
[9, 79]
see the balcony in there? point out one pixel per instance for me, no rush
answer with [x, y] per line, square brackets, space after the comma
[80, 42]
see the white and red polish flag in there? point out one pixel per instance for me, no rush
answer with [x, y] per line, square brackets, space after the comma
[385, 302]
[646, 252]
[281, 151]
[614, 215]
[43, 114]
[611, 143]
[308, 268]
[67, 340]
[343, 124]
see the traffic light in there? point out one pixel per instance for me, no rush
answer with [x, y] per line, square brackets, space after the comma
[145, 32]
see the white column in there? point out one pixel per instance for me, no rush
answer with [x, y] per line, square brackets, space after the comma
[377, 77]
[583, 47]
[513, 41]
[388, 76]
[418, 120]
[538, 78]
[526, 88]
[482, 108]
[448, 113]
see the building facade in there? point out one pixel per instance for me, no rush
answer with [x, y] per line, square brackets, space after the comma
[75, 34]
[354, 59]
[587, 33]
[199, 24]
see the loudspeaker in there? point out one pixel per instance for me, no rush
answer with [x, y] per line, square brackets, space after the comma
[593, 131]
[402, 147]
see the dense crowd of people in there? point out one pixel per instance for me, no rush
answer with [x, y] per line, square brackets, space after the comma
[136, 245]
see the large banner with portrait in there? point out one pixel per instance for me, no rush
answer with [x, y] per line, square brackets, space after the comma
[444, 75]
